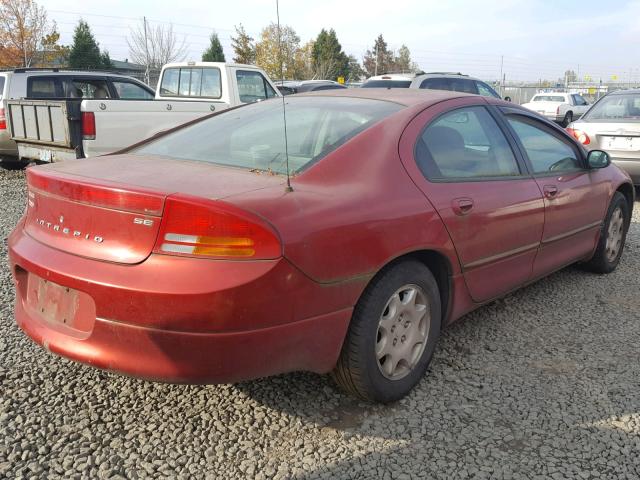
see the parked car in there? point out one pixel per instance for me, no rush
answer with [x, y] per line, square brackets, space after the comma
[189, 258]
[558, 107]
[389, 80]
[613, 125]
[455, 82]
[291, 88]
[82, 128]
[55, 84]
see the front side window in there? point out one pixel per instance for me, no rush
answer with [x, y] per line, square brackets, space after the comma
[465, 143]
[131, 91]
[546, 152]
[191, 82]
[614, 108]
[252, 137]
[253, 87]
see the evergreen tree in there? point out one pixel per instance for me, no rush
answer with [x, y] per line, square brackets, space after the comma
[243, 46]
[214, 53]
[380, 59]
[85, 52]
[329, 61]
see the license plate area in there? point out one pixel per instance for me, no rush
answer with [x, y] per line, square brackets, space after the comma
[621, 143]
[62, 308]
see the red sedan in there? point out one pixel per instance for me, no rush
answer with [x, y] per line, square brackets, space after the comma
[187, 259]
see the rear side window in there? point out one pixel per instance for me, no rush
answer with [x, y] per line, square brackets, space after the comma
[486, 91]
[191, 82]
[546, 152]
[465, 143]
[386, 84]
[85, 88]
[41, 88]
[252, 86]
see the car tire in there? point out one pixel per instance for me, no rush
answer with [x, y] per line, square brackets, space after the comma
[14, 164]
[389, 318]
[612, 236]
[568, 118]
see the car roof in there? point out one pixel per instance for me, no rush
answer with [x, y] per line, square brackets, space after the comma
[60, 72]
[402, 96]
[626, 91]
[393, 76]
[446, 75]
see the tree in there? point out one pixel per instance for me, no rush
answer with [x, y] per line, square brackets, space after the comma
[52, 53]
[214, 53]
[159, 46]
[356, 73]
[329, 61]
[85, 51]
[23, 27]
[402, 62]
[304, 62]
[379, 60]
[243, 47]
[273, 50]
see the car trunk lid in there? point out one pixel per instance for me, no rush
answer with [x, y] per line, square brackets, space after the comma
[111, 208]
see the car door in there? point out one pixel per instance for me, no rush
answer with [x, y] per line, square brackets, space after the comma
[575, 197]
[492, 208]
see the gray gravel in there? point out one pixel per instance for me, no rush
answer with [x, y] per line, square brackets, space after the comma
[543, 384]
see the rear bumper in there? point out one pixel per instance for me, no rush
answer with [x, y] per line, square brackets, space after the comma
[631, 166]
[187, 320]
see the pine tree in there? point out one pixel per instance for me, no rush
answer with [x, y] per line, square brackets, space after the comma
[329, 61]
[243, 46]
[379, 60]
[85, 52]
[214, 53]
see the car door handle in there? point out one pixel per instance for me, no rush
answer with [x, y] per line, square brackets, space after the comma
[462, 206]
[550, 191]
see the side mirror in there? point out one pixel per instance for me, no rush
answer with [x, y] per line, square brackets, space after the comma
[508, 99]
[598, 159]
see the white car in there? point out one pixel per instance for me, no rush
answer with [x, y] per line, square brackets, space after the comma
[558, 106]
[390, 80]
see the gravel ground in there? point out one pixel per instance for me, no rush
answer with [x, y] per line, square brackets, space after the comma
[543, 384]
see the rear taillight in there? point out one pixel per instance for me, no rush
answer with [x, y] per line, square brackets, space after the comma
[204, 228]
[88, 126]
[558, 110]
[579, 135]
[3, 120]
[148, 203]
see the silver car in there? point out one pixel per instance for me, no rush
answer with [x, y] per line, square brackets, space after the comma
[612, 124]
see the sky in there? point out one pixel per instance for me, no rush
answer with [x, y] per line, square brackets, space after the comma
[526, 40]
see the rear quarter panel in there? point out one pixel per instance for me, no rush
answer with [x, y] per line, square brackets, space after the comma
[354, 211]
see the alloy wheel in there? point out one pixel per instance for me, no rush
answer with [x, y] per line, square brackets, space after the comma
[614, 235]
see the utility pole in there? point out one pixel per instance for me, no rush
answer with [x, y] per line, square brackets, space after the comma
[376, 69]
[501, 76]
[146, 49]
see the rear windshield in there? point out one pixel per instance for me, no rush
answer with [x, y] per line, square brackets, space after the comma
[191, 82]
[548, 98]
[252, 136]
[386, 84]
[614, 108]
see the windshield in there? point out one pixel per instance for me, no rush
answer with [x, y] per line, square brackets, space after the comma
[386, 84]
[252, 136]
[614, 108]
[548, 98]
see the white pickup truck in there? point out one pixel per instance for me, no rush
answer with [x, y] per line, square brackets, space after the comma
[558, 106]
[54, 130]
